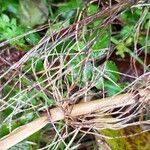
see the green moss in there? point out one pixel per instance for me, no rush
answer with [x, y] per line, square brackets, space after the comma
[116, 143]
[138, 142]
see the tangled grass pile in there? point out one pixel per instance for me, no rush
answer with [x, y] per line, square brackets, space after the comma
[91, 71]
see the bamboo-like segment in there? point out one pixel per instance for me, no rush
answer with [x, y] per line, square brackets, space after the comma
[22, 132]
[57, 114]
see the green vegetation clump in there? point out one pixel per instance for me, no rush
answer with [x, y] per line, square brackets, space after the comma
[57, 53]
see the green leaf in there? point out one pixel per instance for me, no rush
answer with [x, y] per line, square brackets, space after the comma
[92, 9]
[126, 31]
[87, 72]
[79, 46]
[38, 64]
[101, 42]
[5, 18]
[32, 38]
[129, 41]
[110, 78]
[33, 12]
[4, 21]
[10, 6]
[112, 71]
[27, 117]
[21, 146]
[3, 130]
[67, 9]
[57, 26]
[131, 17]
[111, 88]
[122, 49]
[100, 83]
[147, 25]
[9, 29]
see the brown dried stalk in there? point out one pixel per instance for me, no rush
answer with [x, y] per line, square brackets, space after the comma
[80, 109]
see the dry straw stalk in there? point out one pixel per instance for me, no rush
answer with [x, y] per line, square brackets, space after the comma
[57, 114]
